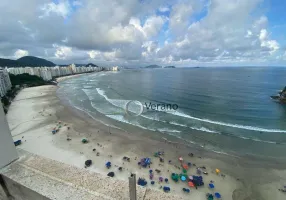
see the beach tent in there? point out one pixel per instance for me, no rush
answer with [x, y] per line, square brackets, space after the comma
[211, 185]
[166, 189]
[18, 142]
[217, 195]
[198, 180]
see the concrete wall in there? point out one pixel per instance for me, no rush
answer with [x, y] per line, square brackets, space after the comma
[20, 192]
[8, 151]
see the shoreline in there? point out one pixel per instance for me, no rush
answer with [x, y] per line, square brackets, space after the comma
[62, 78]
[46, 109]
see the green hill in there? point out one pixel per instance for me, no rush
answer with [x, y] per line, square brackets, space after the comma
[35, 61]
[30, 61]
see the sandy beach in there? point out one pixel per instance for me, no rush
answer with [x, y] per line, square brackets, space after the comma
[59, 79]
[35, 112]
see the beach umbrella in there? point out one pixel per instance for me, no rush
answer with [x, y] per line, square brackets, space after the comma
[210, 197]
[175, 177]
[88, 163]
[211, 185]
[189, 164]
[152, 182]
[217, 171]
[181, 159]
[191, 184]
[111, 174]
[184, 171]
[161, 179]
[217, 195]
[185, 166]
[183, 178]
[150, 171]
[142, 182]
[108, 164]
[84, 140]
[191, 177]
[166, 180]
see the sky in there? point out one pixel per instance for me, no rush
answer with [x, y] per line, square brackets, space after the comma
[134, 33]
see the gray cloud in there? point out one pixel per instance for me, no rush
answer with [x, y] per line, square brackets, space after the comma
[128, 32]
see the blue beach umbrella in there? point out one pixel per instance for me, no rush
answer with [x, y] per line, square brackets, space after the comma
[211, 186]
[108, 164]
[217, 195]
[183, 178]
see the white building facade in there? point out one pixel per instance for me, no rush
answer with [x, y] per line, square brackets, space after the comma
[48, 73]
[5, 83]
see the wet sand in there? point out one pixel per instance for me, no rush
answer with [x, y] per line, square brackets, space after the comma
[36, 111]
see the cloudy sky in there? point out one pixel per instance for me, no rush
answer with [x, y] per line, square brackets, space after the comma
[141, 32]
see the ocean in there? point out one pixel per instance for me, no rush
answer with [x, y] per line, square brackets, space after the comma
[223, 109]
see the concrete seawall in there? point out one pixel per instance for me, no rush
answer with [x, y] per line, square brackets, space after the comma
[36, 178]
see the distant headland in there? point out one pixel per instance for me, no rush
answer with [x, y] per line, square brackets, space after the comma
[157, 66]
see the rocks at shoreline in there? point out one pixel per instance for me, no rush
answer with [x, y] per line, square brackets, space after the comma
[281, 97]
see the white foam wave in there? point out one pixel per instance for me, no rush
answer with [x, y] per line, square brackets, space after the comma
[257, 140]
[121, 119]
[168, 130]
[89, 114]
[227, 124]
[87, 87]
[153, 118]
[177, 124]
[194, 128]
[121, 103]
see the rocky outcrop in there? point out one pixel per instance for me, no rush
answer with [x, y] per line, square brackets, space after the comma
[281, 97]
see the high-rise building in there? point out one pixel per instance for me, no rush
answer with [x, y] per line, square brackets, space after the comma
[5, 83]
